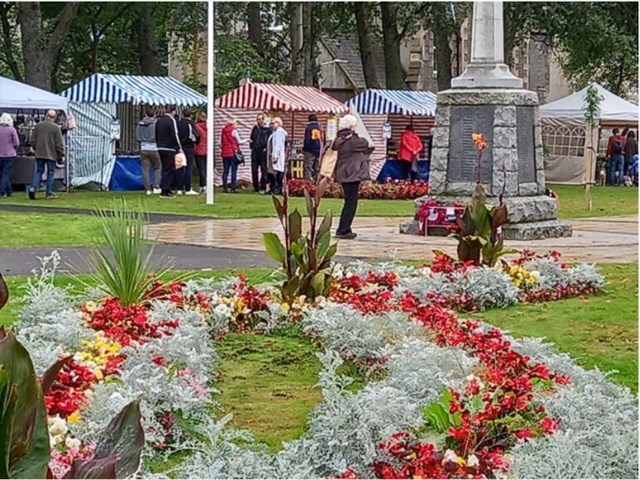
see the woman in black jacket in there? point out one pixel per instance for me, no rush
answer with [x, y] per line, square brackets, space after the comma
[352, 167]
[630, 149]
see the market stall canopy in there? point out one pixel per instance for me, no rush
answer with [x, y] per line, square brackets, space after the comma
[16, 96]
[280, 98]
[612, 107]
[134, 89]
[402, 102]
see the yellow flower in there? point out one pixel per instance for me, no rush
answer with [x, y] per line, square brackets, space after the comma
[98, 373]
[74, 417]
[285, 306]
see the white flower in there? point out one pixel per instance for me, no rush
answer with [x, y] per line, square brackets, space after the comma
[52, 441]
[78, 358]
[72, 443]
[450, 456]
[222, 310]
[535, 274]
[473, 461]
[57, 426]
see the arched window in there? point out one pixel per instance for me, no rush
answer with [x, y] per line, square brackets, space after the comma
[564, 141]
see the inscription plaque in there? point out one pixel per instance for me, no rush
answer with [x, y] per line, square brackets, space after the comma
[463, 156]
[526, 145]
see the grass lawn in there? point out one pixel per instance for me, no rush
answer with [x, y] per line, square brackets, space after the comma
[48, 229]
[606, 200]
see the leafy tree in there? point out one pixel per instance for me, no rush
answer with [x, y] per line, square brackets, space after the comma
[591, 40]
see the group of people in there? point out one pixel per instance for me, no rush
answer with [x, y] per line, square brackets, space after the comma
[162, 140]
[47, 145]
[268, 155]
[268, 146]
[622, 158]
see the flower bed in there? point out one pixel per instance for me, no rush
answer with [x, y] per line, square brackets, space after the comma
[450, 398]
[392, 190]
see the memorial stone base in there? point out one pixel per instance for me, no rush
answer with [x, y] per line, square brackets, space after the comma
[512, 165]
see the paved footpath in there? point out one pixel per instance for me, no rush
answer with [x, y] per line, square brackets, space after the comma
[196, 243]
[613, 240]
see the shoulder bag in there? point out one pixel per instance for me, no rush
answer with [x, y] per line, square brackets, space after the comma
[328, 162]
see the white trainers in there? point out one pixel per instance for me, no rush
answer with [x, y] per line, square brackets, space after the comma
[191, 192]
[157, 191]
[203, 189]
[179, 192]
[149, 192]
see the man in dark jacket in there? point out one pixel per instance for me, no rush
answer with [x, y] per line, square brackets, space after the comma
[258, 144]
[311, 147]
[168, 144]
[49, 147]
[189, 136]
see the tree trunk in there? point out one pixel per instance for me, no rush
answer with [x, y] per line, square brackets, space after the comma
[391, 43]
[295, 11]
[364, 42]
[7, 43]
[308, 43]
[147, 46]
[443, 57]
[254, 24]
[41, 46]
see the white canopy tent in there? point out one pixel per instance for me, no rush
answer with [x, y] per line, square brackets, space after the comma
[565, 133]
[19, 96]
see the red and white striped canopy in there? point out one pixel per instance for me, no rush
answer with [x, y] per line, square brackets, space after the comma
[280, 98]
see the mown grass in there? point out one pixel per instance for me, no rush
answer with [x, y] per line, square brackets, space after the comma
[607, 201]
[268, 384]
[48, 229]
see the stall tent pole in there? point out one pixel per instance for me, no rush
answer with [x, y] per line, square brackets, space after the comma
[210, 102]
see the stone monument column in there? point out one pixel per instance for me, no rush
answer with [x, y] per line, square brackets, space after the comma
[487, 98]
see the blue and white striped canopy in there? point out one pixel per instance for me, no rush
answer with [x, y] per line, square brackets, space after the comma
[403, 102]
[134, 89]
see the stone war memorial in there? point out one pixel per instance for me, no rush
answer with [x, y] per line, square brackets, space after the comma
[488, 99]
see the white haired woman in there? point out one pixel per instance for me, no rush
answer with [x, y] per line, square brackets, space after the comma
[277, 155]
[9, 143]
[352, 167]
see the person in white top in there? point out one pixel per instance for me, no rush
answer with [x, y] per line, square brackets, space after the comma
[277, 155]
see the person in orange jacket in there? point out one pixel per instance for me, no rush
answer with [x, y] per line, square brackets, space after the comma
[410, 148]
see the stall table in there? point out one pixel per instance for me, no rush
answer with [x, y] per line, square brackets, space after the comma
[24, 168]
[394, 170]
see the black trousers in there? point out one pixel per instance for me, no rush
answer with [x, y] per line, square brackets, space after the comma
[350, 191]
[201, 165]
[275, 182]
[259, 163]
[168, 159]
[183, 176]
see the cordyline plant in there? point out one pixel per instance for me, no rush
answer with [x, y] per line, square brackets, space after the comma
[124, 271]
[480, 227]
[305, 259]
[24, 435]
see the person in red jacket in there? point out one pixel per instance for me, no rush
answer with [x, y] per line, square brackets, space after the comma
[410, 148]
[201, 150]
[229, 145]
